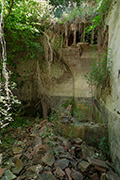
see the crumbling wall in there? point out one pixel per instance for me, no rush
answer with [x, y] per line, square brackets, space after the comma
[51, 79]
[107, 103]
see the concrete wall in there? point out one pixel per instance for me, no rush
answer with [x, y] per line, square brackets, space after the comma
[66, 81]
[76, 85]
[107, 103]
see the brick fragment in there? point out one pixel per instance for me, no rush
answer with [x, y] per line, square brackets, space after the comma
[95, 176]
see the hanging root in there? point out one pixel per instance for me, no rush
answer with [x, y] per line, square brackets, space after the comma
[44, 96]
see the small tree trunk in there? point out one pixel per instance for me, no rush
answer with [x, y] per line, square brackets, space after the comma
[66, 34]
[92, 36]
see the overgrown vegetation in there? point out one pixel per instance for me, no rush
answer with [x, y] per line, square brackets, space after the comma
[5, 133]
[100, 71]
[103, 147]
[20, 25]
[23, 23]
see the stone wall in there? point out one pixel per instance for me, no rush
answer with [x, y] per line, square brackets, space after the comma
[27, 85]
[107, 103]
[76, 85]
[66, 79]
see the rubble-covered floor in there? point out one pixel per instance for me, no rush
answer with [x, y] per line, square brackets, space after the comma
[35, 152]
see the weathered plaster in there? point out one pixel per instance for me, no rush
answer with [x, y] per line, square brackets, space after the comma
[74, 84]
[107, 106]
[79, 66]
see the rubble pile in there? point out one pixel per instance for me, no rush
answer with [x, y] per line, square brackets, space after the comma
[40, 155]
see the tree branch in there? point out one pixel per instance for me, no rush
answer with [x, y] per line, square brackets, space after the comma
[9, 10]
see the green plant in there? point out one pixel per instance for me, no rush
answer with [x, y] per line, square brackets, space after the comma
[54, 116]
[70, 135]
[47, 132]
[24, 20]
[99, 71]
[68, 102]
[77, 113]
[8, 109]
[101, 12]
[52, 145]
[102, 145]
[8, 141]
[74, 109]
[20, 122]
[94, 11]
[88, 107]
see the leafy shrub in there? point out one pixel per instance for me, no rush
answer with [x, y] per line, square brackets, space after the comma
[77, 113]
[68, 102]
[99, 71]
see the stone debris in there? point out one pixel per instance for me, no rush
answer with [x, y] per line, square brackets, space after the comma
[95, 176]
[111, 175]
[59, 173]
[17, 150]
[46, 176]
[100, 169]
[8, 175]
[66, 156]
[103, 176]
[36, 168]
[77, 141]
[97, 162]
[68, 171]
[2, 170]
[62, 163]
[18, 166]
[38, 140]
[49, 158]
[40, 155]
[83, 165]
[76, 175]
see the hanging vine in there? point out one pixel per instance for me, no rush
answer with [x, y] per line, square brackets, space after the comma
[6, 95]
[42, 83]
[49, 59]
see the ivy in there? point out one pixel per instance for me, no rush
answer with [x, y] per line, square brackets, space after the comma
[99, 71]
[23, 21]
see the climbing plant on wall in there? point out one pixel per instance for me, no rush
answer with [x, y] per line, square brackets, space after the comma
[20, 25]
[6, 96]
[99, 72]
[22, 28]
